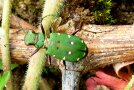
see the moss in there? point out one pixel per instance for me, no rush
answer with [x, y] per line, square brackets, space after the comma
[28, 10]
[102, 12]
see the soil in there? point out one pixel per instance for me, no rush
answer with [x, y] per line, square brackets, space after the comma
[122, 11]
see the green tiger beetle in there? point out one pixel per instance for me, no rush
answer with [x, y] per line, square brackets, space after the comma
[59, 45]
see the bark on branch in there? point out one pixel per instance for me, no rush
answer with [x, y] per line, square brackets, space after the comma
[106, 45]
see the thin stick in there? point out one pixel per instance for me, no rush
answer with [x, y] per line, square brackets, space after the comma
[5, 40]
[38, 59]
[34, 72]
[52, 9]
[130, 84]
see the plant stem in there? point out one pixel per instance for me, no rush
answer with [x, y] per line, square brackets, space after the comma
[70, 80]
[35, 67]
[130, 84]
[51, 7]
[5, 40]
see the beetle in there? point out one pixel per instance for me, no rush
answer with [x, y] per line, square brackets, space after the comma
[59, 45]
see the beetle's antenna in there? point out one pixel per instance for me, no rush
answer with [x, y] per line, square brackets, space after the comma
[47, 16]
[42, 28]
[7, 44]
[79, 27]
[34, 52]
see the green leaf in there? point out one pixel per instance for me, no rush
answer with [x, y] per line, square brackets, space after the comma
[130, 84]
[13, 66]
[1, 65]
[3, 79]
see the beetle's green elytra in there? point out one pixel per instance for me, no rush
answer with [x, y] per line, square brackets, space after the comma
[29, 38]
[66, 47]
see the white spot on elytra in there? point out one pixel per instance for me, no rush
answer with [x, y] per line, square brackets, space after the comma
[85, 48]
[81, 41]
[69, 36]
[69, 52]
[53, 55]
[64, 58]
[58, 33]
[84, 54]
[78, 59]
[72, 43]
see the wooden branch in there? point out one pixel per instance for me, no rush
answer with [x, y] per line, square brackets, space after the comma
[19, 51]
[106, 45]
[72, 80]
[111, 44]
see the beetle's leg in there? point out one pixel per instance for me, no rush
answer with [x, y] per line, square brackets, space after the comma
[78, 28]
[34, 52]
[49, 59]
[42, 28]
[64, 63]
[48, 56]
[7, 44]
[55, 23]
[47, 16]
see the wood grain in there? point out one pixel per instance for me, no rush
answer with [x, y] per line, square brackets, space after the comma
[111, 46]
[106, 45]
